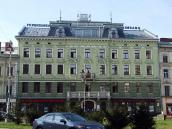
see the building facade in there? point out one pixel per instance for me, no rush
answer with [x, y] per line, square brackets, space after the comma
[4, 76]
[166, 74]
[96, 65]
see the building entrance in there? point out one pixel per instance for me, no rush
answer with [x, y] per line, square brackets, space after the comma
[89, 105]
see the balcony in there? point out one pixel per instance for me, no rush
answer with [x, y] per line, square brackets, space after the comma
[92, 94]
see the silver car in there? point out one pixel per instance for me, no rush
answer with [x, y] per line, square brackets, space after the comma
[64, 121]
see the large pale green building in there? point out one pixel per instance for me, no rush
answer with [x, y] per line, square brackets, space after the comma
[95, 65]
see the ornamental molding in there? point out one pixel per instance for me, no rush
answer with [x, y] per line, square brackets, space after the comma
[87, 39]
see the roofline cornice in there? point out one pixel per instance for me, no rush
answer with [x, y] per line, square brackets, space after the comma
[84, 39]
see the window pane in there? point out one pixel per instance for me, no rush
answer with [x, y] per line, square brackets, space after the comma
[87, 53]
[25, 68]
[36, 87]
[102, 69]
[37, 52]
[73, 87]
[73, 69]
[137, 54]
[125, 54]
[60, 87]
[149, 70]
[60, 53]
[37, 69]
[24, 87]
[48, 87]
[73, 53]
[165, 58]
[102, 53]
[114, 69]
[26, 52]
[114, 54]
[148, 54]
[48, 69]
[137, 69]
[60, 69]
[126, 69]
[48, 53]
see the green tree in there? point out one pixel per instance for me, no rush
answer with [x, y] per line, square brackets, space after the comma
[117, 118]
[142, 119]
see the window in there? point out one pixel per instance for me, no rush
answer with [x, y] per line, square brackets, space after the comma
[102, 69]
[137, 69]
[25, 68]
[73, 53]
[114, 69]
[24, 87]
[48, 87]
[48, 53]
[167, 90]
[166, 73]
[115, 87]
[150, 88]
[149, 70]
[138, 87]
[37, 52]
[88, 67]
[126, 69]
[72, 86]
[102, 53]
[49, 118]
[126, 87]
[0, 71]
[37, 68]
[73, 69]
[102, 87]
[60, 69]
[60, 87]
[58, 118]
[137, 54]
[87, 53]
[48, 69]
[26, 52]
[114, 54]
[11, 71]
[165, 59]
[60, 53]
[148, 54]
[125, 54]
[36, 87]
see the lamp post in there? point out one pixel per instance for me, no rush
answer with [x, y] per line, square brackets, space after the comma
[8, 48]
[83, 77]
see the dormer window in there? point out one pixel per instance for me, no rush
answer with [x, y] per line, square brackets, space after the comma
[60, 32]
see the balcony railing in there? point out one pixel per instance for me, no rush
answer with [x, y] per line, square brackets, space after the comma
[92, 94]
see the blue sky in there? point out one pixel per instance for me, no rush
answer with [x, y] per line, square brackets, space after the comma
[153, 15]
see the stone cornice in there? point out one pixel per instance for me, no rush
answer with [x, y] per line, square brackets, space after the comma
[86, 39]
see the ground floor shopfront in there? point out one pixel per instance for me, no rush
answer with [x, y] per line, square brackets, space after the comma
[56, 105]
[167, 105]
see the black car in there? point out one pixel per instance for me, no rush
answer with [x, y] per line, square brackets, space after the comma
[64, 121]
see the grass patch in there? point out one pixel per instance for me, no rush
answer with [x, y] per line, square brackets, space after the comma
[14, 126]
[164, 124]
[160, 124]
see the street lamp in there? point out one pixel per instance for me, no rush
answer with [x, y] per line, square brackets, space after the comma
[83, 77]
[8, 47]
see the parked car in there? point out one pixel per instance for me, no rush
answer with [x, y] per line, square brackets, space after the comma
[64, 121]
